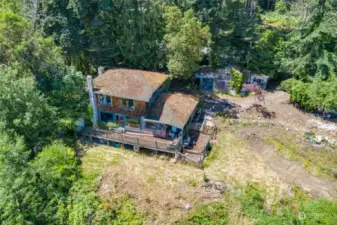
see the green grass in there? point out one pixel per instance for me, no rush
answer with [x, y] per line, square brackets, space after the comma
[209, 214]
[99, 158]
[298, 210]
[214, 155]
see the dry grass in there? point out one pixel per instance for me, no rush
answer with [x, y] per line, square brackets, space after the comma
[161, 190]
[234, 163]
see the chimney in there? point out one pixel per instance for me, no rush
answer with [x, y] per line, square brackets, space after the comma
[92, 99]
[100, 70]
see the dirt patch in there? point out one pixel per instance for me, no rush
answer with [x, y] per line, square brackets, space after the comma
[291, 172]
[234, 163]
[257, 112]
[284, 113]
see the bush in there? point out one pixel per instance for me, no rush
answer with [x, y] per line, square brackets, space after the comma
[316, 95]
[253, 205]
[214, 213]
[102, 125]
[111, 125]
[320, 211]
[237, 80]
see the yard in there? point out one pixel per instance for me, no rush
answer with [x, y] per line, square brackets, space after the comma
[248, 152]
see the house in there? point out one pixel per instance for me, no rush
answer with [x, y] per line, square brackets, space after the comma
[138, 102]
[218, 80]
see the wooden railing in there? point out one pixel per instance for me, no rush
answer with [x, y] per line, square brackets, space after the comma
[134, 140]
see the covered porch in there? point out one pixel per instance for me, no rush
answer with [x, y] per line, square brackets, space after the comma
[161, 130]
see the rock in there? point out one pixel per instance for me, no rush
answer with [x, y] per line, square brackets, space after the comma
[188, 207]
[218, 186]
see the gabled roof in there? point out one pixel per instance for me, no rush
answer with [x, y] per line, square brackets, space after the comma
[173, 109]
[129, 84]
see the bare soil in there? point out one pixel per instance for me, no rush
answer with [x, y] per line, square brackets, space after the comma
[282, 111]
[290, 171]
[278, 111]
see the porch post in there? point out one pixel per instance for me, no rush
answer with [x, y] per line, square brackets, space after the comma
[92, 99]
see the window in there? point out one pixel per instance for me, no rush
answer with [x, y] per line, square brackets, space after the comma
[101, 99]
[106, 117]
[108, 100]
[124, 103]
[104, 100]
[128, 104]
[131, 104]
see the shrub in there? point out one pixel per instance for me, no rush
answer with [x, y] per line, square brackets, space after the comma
[102, 125]
[237, 80]
[213, 213]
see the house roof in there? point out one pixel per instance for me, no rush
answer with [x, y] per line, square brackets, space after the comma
[129, 84]
[173, 109]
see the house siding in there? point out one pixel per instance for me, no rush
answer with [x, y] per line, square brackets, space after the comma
[140, 107]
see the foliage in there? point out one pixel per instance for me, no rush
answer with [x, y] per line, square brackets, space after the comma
[86, 207]
[23, 109]
[281, 6]
[102, 125]
[311, 50]
[56, 166]
[31, 191]
[236, 80]
[213, 213]
[317, 95]
[318, 211]
[186, 38]
[111, 125]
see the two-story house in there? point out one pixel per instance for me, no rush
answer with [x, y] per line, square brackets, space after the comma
[138, 101]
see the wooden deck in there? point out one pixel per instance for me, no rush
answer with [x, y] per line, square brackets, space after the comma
[134, 139]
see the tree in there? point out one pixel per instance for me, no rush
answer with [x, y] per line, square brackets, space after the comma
[186, 39]
[281, 6]
[33, 191]
[311, 50]
[234, 32]
[23, 109]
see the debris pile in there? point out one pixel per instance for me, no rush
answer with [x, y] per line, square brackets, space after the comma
[257, 111]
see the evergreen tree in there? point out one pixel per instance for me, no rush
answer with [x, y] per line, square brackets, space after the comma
[311, 50]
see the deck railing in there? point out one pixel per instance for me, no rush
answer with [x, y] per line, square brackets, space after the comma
[130, 139]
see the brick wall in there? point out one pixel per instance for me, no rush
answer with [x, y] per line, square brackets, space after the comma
[140, 107]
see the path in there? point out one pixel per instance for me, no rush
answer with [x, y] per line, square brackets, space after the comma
[292, 172]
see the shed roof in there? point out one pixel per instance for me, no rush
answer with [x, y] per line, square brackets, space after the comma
[129, 84]
[173, 109]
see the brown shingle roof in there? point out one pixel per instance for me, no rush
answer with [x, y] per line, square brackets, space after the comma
[173, 109]
[128, 83]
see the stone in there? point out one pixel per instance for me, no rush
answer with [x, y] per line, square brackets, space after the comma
[188, 207]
